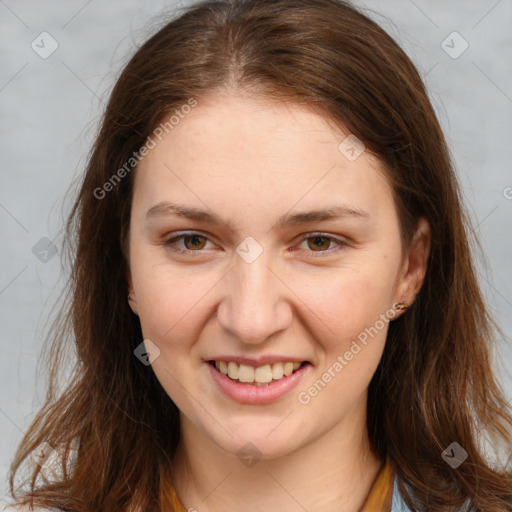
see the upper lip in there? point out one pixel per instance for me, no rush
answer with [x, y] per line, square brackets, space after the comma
[259, 361]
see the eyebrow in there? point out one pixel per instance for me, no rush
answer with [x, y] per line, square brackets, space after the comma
[330, 213]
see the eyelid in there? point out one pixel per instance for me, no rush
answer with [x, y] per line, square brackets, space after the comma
[168, 243]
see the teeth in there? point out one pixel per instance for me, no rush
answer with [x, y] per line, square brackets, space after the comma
[232, 370]
[260, 375]
[245, 373]
[288, 369]
[263, 374]
[277, 371]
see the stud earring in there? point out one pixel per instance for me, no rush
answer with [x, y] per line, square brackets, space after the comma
[401, 306]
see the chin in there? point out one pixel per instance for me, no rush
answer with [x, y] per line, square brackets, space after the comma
[257, 440]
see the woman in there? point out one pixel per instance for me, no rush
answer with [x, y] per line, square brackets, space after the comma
[274, 304]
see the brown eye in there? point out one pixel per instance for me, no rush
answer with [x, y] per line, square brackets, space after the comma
[194, 242]
[187, 243]
[319, 242]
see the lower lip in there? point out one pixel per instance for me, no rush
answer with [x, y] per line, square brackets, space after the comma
[253, 394]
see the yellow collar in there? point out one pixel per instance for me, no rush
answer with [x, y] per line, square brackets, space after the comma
[381, 493]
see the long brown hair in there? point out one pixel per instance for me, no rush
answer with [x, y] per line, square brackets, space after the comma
[434, 384]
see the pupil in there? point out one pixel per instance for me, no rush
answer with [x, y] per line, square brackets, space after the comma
[194, 240]
[317, 241]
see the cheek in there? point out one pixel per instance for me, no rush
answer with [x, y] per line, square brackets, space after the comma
[344, 303]
[169, 298]
[357, 313]
[174, 301]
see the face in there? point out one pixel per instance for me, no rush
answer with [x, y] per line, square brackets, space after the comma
[254, 283]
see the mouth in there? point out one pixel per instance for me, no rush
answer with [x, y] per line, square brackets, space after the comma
[264, 375]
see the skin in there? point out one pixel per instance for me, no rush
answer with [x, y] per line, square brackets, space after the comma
[251, 161]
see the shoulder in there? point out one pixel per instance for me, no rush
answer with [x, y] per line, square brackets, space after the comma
[398, 504]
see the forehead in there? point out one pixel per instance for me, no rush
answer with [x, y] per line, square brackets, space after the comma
[270, 153]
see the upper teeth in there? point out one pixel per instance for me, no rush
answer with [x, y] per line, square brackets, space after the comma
[261, 374]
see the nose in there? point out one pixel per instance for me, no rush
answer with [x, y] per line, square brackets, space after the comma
[256, 303]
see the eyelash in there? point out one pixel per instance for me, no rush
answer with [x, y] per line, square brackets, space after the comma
[171, 241]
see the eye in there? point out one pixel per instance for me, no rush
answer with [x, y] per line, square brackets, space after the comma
[194, 242]
[320, 242]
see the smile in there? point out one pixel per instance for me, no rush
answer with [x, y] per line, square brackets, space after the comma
[261, 375]
[257, 385]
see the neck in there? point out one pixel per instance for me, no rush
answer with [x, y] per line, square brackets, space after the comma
[334, 472]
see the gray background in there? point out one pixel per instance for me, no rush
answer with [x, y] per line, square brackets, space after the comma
[50, 109]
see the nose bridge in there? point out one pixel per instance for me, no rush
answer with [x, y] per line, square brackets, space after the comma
[253, 306]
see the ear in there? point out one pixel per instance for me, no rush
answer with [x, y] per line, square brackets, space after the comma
[414, 266]
[132, 299]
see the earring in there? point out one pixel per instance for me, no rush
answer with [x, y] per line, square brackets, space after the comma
[131, 298]
[401, 306]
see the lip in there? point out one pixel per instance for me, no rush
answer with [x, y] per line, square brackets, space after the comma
[257, 395]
